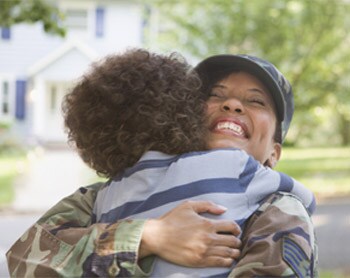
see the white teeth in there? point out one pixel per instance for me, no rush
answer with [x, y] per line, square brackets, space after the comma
[231, 126]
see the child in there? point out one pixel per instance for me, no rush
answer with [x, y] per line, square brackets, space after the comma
[139, 119]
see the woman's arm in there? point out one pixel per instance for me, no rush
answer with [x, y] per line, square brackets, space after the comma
[64, 243]
[278, 241]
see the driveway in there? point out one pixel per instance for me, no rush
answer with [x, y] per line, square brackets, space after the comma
[52, 174]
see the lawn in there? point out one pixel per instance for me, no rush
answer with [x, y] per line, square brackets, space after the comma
[326, 171]
[11, 165]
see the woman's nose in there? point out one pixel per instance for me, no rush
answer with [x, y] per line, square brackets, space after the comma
[232, 105]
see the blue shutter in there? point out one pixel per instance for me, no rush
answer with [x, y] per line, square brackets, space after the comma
[5, 33]
[20, 99]
[100, 14]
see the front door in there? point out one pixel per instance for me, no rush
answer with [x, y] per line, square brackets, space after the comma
[54, 124]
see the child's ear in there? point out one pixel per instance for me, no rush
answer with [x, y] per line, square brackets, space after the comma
[274, 155]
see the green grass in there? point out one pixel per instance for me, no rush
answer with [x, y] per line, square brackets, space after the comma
[326, 171]
[10, 165]
[332, 274]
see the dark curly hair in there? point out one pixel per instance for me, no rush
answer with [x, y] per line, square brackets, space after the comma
[130, 103]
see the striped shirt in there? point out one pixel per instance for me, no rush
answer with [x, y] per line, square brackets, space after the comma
[160, 182]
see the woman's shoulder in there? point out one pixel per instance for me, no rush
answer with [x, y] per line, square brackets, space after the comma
[280, 236]
[285, 214]
[287, 203]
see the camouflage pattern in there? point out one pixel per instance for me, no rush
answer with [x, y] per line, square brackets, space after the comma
[63, 242]
[278, 241]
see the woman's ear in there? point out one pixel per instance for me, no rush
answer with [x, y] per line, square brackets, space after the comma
[274, 155]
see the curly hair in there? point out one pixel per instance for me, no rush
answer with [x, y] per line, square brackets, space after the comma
[130, 103]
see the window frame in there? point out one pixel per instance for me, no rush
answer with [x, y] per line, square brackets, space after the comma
[10, 99]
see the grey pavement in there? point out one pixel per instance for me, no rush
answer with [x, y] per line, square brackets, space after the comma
[332, 222]
[55, 173]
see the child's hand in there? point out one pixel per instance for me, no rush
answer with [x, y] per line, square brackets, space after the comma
[183, 237]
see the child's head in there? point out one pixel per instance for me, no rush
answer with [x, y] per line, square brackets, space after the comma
[134, 102]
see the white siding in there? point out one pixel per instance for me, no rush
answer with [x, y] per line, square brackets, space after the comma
[28, 44]
[123, 29]
[30, 55]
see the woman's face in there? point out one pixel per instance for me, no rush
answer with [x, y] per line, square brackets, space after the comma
[241, 114]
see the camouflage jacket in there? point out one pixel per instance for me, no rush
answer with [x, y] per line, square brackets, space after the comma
[278, 241]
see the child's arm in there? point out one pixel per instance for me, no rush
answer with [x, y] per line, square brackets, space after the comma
[278, 241]
[262, 181]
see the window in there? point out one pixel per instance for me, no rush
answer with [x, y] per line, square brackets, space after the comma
[5, 103]
[6, 98]
[53, 99]
[76, 19]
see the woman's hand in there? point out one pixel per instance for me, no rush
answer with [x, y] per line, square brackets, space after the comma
[184, 237]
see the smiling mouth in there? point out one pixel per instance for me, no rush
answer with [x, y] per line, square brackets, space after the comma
[231, 127]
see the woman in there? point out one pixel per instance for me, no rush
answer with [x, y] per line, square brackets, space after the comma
[237, 118]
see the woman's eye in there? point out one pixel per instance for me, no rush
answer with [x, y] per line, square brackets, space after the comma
[258, 101]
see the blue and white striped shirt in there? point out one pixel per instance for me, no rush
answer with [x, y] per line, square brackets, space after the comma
[160, 182]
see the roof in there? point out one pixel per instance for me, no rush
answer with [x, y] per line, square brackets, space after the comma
[54, 56]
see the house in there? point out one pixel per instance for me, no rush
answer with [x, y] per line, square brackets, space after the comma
[37, 68]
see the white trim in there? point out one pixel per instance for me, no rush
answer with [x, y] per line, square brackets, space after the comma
[58, 53]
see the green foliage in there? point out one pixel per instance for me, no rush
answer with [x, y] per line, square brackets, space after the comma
[11, 165]
[6, 189]
[307, 40]
[8, 143]
[31, 11]
[4, 126]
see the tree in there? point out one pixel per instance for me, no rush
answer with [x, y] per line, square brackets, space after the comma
[308, 40]
[31, 11]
